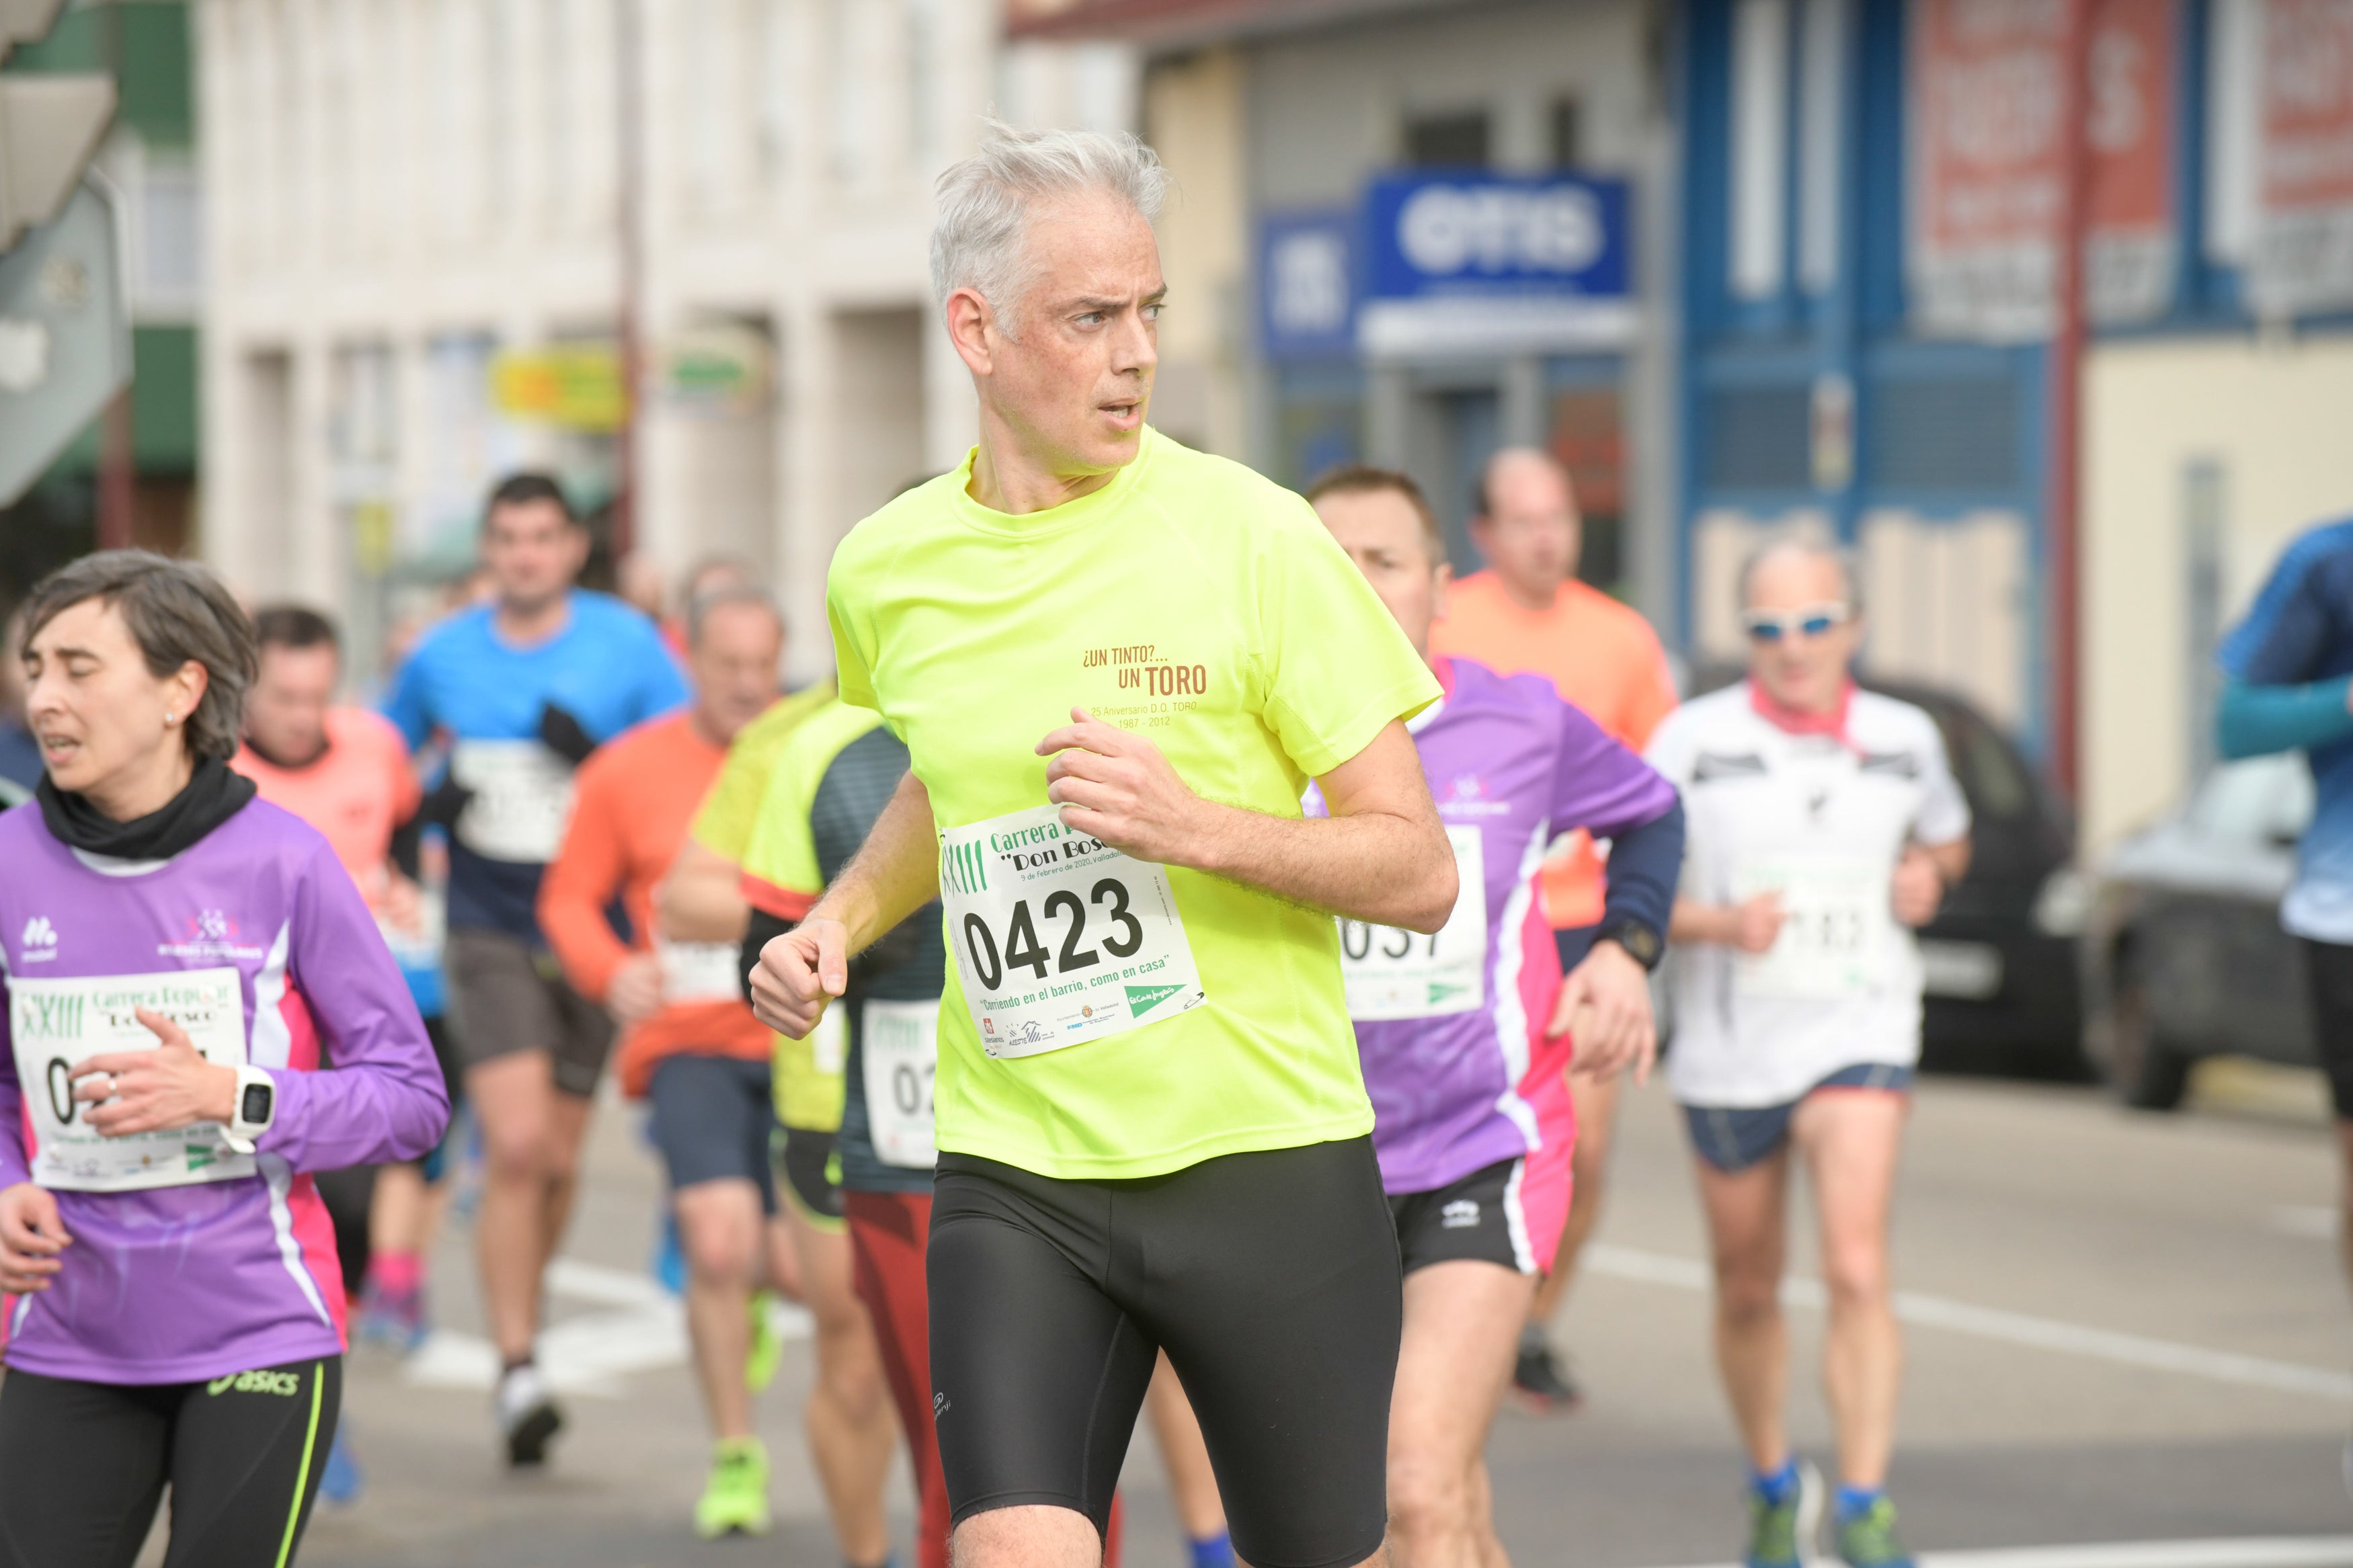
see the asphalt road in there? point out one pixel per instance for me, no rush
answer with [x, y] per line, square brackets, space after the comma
[2123, 1330]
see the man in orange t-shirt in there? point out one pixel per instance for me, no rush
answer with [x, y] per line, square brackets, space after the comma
[1529, 612]
[690, 1045]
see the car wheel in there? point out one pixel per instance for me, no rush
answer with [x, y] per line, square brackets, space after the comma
[2144, 1073]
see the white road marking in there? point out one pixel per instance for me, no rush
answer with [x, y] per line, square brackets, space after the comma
[643, 1329]
[2009, 1327]
[2314, 1220]
[2257, 1552]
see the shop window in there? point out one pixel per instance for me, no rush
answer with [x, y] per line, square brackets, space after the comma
[1945, 435]
[1564, 126]
[1588, 437]
[1451, 141]
[1756, 437]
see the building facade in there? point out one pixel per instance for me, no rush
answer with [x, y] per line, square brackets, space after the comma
[1411, 233]
[415, 272]
[1870, 203]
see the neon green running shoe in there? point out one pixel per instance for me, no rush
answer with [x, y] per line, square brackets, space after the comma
[735, 1502]
[1868, 1539]
[1781, 1535]
[767, 1351]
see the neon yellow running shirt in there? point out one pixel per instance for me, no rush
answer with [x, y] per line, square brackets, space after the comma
[1209, 610]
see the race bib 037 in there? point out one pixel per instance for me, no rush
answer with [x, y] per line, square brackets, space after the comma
[1060, 938]
[900, 1052]
[1393, 973]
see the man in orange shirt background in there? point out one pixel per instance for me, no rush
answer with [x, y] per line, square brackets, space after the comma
[690, 1045]
[1529, 612]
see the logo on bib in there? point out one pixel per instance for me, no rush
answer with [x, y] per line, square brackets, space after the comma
[40, 941]
[1143, 999]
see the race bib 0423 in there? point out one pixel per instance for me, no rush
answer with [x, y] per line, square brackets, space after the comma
[56, 1024]
[1060, 938]
[1393, 973]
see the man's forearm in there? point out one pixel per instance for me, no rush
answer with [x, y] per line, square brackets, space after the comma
[893, 874]
[1370, 866]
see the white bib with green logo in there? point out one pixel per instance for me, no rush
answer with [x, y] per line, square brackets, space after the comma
[56, 1024]
[900, 1054]
[1393, 973]
[1060, 938]
[1837, 926]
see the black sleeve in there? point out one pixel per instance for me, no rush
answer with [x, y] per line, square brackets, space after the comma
[763, 929]
[408, 848]
[1645, 864]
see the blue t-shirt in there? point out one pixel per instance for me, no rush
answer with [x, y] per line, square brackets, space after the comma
[20, 755]
[2299, 630]
[608, 667]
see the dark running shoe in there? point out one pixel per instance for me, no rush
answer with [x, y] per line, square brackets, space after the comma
[1541, 1383]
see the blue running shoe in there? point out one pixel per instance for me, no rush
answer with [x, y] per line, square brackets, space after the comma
[669, 1266]
[1867, 1539]
[1781, 1529]
[340, 1483]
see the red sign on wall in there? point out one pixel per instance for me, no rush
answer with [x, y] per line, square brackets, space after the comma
[1988, 161]
[2303, 237]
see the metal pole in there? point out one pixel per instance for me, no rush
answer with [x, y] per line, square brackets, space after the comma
[628, 195]
[117, 457]
[2064, 391]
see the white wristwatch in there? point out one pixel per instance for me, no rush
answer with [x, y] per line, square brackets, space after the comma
[256, 1108]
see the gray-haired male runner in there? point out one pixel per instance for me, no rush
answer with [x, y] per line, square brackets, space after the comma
[1116, 664]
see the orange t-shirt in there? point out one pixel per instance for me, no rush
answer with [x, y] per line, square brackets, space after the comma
[359, 789]
[1599, 653]
[632, 802]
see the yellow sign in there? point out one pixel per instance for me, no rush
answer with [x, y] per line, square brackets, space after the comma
[578, 387]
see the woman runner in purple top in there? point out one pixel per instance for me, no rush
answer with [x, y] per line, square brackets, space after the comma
[1465, 1036]
[181, 962]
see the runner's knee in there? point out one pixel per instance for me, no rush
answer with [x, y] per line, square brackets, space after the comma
[1428, 1495]
[1856, 1274]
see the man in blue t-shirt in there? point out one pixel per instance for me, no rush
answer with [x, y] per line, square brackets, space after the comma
[2289, 687]
[522, 689]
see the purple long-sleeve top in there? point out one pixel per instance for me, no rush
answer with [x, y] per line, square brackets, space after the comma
[1512, 766]
[228, 1272]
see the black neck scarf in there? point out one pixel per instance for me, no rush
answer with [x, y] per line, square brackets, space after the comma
[213, 795]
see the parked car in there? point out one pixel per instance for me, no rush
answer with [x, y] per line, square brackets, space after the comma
[2183, 953]
[2004, 981]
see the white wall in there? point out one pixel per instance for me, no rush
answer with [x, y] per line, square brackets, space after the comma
[2271, 417]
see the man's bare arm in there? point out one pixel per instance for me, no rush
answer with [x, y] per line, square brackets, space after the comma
[893, 874]
[1381, 855]
[701, 898]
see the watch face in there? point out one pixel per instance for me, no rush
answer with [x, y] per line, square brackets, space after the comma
[253, 1108]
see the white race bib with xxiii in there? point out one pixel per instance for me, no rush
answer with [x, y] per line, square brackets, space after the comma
[521, 796]
[1392, 974]
[699, 971]
[900, 1054]
[1837, 927]
[60, 1024]
[1058, 937]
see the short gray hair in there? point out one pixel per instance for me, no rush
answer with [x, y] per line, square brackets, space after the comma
[699, 609]
[1802, 541]
[979, 241]
[176, 612]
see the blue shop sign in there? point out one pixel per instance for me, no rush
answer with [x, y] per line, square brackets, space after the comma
[1307, 285]
[1477, 263]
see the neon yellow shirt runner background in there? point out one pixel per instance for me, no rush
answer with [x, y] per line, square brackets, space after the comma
[1207, 609]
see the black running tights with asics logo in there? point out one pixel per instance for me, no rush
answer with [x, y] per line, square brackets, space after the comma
[84, 1465]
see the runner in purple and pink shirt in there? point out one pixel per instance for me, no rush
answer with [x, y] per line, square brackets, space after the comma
[199, 1012]
[1466, 1035]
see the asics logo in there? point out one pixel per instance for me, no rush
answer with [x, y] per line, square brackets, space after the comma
[286, 1384]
